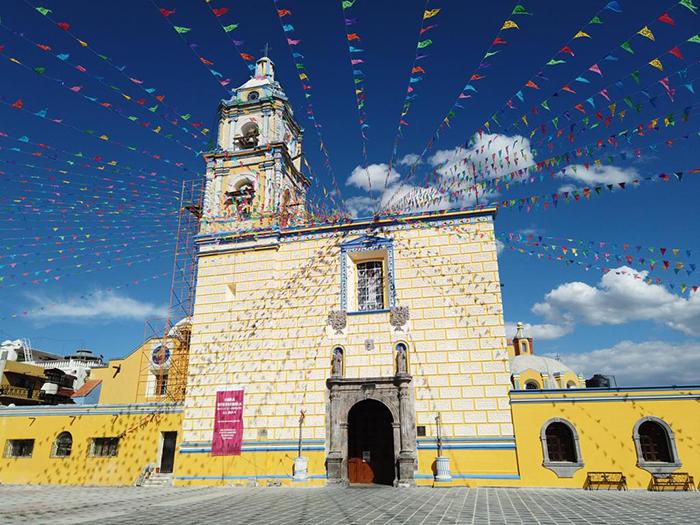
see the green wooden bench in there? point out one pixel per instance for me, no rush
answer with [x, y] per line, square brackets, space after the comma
[675, 481]
[605, 480]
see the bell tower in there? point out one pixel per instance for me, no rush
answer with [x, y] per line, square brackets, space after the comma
[254, 177]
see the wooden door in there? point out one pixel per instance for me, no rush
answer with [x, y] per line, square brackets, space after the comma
[359, 471]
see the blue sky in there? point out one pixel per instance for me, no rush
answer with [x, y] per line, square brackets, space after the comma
[609, 323]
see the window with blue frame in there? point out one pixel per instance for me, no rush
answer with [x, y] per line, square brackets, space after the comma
[367, 275]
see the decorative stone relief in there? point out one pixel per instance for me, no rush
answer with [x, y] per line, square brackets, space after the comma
[398, 317]
[338, 320]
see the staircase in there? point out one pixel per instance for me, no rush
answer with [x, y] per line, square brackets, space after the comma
[157, 479]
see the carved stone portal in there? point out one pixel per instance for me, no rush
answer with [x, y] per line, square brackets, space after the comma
[396, 393]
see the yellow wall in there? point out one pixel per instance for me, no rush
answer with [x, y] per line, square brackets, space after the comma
[139, 425]
[530, 375]
[561, 381]
[271, 334]
[259, 461]
[135, 381]
[604, 421]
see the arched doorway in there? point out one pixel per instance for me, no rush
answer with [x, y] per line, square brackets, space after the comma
[371, 444]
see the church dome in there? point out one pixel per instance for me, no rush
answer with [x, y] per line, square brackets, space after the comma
[542, 365]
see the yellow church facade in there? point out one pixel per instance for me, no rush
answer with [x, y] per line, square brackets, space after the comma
[365, 351]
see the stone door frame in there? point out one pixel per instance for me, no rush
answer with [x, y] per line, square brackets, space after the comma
[396, 393]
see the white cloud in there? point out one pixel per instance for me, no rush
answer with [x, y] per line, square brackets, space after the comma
[390, 189]
[568, 187]
[600, 174]
[409, 159]
[621, 296]
[531, 231]
[487, 149]
[375, 177]
[389, 192]
[646, 363]
[544, 331]
[361, 205]
[96, 306]
[500, 246]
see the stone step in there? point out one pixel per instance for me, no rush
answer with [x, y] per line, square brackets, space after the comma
[159, 480]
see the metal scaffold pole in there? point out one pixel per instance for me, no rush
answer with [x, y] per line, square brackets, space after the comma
[163, 374]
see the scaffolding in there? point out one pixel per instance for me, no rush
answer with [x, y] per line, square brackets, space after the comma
[163, 370]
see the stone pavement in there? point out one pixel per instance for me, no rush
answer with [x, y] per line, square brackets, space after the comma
[270, 506]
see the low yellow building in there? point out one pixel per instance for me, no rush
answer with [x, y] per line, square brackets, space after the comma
[367, 351]
[108, 444]
[561, 435]
[128, 434]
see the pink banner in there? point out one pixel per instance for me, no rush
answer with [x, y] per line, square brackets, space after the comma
[228, 423]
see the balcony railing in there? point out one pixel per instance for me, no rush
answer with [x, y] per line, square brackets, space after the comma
[68, 363]
[18, 392]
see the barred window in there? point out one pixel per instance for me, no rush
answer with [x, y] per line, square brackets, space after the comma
[105, 447]
[654, 442]
[63, 445]
[560, 443]
[19, 448]
[370, 286]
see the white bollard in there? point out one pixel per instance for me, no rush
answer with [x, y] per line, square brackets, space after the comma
[301, 466]
[443, 469]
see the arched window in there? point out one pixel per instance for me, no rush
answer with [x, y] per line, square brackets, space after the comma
[560, 443]
[656, 446]
[532, 385]
[571, 384]
[654, 442]
[63, 445]
[560, 447]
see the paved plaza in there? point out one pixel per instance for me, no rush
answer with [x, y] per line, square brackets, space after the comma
[64, 505]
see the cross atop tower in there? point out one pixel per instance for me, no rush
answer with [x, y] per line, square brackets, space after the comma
[266, 50]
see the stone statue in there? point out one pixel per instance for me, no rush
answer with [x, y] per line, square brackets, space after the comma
[337, 362]
[401, 359]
